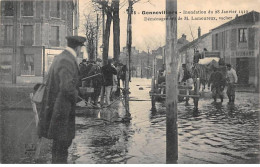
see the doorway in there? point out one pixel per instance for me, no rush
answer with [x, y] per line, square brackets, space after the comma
[242, 69]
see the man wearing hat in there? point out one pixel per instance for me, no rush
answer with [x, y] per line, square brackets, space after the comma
[57, 115]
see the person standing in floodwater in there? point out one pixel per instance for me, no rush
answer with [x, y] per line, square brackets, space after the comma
[231, 78]
[57, 115]
[217, 81]
[108, 71]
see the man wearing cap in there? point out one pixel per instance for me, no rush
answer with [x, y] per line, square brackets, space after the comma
[57, 115]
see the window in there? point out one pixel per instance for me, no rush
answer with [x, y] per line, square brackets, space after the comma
[55, 8]
[216, 41]
[28, 35]
[242, 34]
[28, 64]
[8, 40]
[8, 8]
[55, 36]
[27, 8]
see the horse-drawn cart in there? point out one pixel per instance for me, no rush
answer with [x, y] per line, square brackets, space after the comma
[158, 89]
[200, 75]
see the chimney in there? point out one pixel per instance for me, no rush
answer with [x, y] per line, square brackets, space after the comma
[199, 32]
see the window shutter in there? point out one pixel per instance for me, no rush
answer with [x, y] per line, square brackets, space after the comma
[63, 10]
[19, 34]
[213, 41]
[34, 9]
[49, 36]
[251, 38]
[62, 36]
[38, 34]
[22, 40]
[219, 41]
[233, 40]
[45, 34]
[22, 8]
[2, 35]
[2, 8]
[47, 9]
[38, 6]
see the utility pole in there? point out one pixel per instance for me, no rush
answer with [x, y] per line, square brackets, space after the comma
[103, 32]
[103, 55]
[171, 82]
[76, 17]
[95, 58]
[128, 55]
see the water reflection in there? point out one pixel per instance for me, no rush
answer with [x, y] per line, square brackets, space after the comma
[217, 133]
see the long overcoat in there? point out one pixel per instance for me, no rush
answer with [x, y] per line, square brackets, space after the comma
[57, 114]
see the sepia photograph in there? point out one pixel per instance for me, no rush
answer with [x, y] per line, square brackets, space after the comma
[129, 82]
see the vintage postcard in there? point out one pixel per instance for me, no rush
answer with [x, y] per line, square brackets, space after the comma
[129, 81]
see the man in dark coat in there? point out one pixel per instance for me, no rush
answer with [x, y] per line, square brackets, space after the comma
[108, 71]
[217, 81]
[57, 115]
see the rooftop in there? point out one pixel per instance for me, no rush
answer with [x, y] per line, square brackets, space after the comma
[249, 18]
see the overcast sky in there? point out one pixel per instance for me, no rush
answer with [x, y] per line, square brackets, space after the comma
[152, 33]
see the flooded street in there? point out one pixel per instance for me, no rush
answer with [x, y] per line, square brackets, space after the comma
[216, 134]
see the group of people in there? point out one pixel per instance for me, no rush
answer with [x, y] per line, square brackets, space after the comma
[218, 79]
[101, 80]
[62, 91]
[218, 83]
[57, 111]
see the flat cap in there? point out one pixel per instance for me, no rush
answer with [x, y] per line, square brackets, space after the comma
[74, 41]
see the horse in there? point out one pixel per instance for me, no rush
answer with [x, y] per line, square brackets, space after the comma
[202, 72]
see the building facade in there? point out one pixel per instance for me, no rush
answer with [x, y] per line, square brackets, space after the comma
[238, 43]
[186, 52]
[32, 32]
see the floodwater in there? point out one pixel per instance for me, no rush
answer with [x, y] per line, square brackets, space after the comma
[215, 134]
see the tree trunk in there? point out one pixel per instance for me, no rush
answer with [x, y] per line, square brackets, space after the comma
[116, 30]
[107, 36]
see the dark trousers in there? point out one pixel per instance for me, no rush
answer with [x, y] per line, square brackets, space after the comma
[60, 151]
[96, 94]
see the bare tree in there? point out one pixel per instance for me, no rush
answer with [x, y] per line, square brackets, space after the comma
[91, 32]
